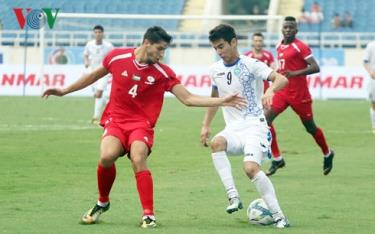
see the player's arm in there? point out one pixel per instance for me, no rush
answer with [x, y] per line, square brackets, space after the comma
[83, 82]
[208, 117]
[278, 82]
[368, 69]
[311, 68]
[189, 99]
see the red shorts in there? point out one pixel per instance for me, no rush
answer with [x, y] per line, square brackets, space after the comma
[127, 133]
[301, 105]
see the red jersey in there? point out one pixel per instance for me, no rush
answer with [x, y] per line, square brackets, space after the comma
[137, 92]
[292, 57]
[265, 57]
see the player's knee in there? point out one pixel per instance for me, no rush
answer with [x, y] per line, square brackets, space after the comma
[251, 168]
[139, 161]
[218, 144]
[108, 157]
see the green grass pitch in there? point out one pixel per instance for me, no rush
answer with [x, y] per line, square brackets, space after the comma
[49, 153]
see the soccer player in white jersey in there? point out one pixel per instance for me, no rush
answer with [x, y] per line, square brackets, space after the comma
[246, 131]
[94, 53]
[369, 63]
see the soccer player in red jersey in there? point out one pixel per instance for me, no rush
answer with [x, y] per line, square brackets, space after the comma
[139, 84]
[295, 62]
[266, 57]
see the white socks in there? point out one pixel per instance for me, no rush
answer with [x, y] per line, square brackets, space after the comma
[99, 107]
[372, 116]
[102, 204]
[224, 169]
[265, 188]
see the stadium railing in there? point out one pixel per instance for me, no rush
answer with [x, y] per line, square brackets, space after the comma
[180, 39]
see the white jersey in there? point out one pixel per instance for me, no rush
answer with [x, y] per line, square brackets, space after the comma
[96, 53]
[246, 77]
[369, 58]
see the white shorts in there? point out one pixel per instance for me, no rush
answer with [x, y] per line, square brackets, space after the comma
[251, 138]
[371, 90]
[104, 84]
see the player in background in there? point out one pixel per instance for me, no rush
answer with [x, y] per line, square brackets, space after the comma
[369, 63]
[246, 131]
[138, 87]
[295, 62]
[94, 53]
[265, 56]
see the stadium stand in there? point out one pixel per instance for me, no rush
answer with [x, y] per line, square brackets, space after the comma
[362, 12]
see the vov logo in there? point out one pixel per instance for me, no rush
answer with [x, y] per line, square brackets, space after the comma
[36, 18]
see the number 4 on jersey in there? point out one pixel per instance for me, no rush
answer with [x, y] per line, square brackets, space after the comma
[133, 91]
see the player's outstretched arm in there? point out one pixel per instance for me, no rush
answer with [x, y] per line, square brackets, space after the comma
[83, 82]
[189, 99]
[208, 117]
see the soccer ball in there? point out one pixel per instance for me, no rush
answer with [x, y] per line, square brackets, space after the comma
[258, 213]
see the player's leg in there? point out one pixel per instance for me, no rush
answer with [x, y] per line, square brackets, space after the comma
[141, 141]
[100, 99]
[372, 116]
[372, 108]
[304, 111]
[252, 161]
[279, 104]
[111, 148]
[224, 169]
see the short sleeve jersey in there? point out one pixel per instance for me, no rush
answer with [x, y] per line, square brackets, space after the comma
[292, 57]
[265, 57]
[369, 56]
[246, 77]
[137, 89]
[96, 53]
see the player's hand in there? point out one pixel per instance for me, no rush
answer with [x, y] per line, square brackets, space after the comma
[234, 100]
[288, 74]
[53, 91]
[267, 99]
[372, 74]
[205, 135]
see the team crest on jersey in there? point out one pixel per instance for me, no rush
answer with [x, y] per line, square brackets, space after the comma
[237, 71]
[150, 80]
[124, 73]
[146, 138]
[136, 78]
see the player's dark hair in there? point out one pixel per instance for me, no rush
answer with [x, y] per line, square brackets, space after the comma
[258, 34]
[290, 18]
[98, 27]
[157, 34]
[222, 31]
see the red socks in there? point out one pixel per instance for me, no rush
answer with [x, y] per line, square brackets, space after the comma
[321, 141]
[274, 146]
[106, 177]
[145, 191]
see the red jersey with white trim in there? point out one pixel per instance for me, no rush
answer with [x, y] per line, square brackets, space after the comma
[137, 92]
[265, 56]
[292, 57]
